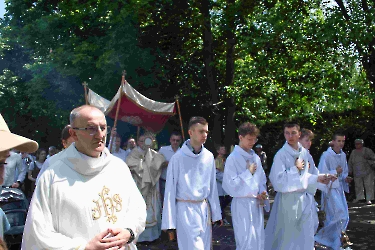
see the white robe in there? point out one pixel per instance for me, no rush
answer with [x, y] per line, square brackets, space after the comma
[79, 197]
[247, 213]
[190, 184]
[291, 222]
[145, 167]
[336, 208]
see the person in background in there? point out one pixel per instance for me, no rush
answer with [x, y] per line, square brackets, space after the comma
[363, 174]
[34, 169]
[263, 157]
[145, 166]
[224, 198]
[168, 151]
[131, 144]
[52, 150]
[66, 141]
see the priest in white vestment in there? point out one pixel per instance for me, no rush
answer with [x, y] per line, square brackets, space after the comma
[291, 222]
[191, 201]
[87, 199]
[145, 165]
[333, 197]
[244, 179]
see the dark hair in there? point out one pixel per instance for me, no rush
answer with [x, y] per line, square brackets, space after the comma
[197, 119]
[338, 133]
[248, 128]
[65, 132]
[307, 133]
[175, 133]
[38, 153]
[292, 125]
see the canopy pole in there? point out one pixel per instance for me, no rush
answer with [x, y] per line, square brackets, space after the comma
[179, 115]
[117, 109]
[138, 131]
[85, 89]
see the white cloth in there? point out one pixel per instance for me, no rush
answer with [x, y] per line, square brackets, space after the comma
[291, 222]
[247, 213]
[13, 165]
[122, 154]
[168, 152]
[336, 208]
[145, 167]
[78, 197]
[190, 183]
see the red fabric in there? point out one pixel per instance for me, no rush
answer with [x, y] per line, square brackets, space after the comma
[139, 116]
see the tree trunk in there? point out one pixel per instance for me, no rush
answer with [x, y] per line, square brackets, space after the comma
[230, 38]
[208, 57]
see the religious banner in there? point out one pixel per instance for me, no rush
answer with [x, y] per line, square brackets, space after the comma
[134, 108]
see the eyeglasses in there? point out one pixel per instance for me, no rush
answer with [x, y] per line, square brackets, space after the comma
[92, 130]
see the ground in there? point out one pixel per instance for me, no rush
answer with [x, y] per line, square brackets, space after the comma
[361, 231]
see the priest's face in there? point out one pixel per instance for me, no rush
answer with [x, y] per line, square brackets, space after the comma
[247, 142]
[198, 133]
[292, 135]
[90, 143]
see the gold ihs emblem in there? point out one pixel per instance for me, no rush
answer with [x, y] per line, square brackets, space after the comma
[109, 204]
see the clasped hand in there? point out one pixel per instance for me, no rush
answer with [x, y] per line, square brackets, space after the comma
[109, 239]
[300, 164]
[252, 167]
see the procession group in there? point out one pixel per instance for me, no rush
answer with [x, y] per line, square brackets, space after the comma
[97, 196]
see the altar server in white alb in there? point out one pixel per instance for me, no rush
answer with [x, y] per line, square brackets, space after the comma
[333, 197]
[306, 140]
[291, 222]
[191, 201]
[87, 199]
[244, 179]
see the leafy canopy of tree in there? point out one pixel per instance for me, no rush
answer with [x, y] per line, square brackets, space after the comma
[229, 61]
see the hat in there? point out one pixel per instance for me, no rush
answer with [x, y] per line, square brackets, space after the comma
[9, 140]
[259, 146]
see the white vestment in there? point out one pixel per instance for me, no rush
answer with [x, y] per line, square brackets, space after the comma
[191, 198]
[291, 222]
[145, 167]
[334, 201]
[79, 197]
[247, 212]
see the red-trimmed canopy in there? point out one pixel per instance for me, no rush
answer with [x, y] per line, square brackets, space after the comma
[135, 108]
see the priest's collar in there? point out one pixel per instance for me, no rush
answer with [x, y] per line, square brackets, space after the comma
[191, 147]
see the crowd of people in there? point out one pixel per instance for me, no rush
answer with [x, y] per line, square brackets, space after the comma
[98, 195]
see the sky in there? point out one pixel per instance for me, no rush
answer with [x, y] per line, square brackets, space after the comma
[2, 8]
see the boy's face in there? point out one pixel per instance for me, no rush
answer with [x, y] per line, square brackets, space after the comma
[338, 142]
[292, 135]
[247, 142]
[306, 142]
[222, 151]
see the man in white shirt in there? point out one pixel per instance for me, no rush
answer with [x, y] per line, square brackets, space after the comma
[131, 144]
[168, 151]
[15, 171]
[117, 150]
[87, 199]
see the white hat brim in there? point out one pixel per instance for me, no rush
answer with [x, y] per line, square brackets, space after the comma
[9, 140]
